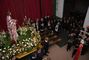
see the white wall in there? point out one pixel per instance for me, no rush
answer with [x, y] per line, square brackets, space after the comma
[86, 22]
[59, 8]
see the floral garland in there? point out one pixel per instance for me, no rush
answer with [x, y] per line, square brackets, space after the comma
[27, 39]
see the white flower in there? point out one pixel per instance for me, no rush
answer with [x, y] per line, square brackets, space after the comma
[17, 49]
[35, 44]
[3, 57]
[26, 39]
[25, 45]
[0, 49]
[18, 52]
[4, 48]
[31, 44]
[13, 46]
[14, 51]
[3, 51]
[4, 36]
[22, 42]
[13, 54]
[22, 49]
[29, 38]
[10, 52]
[7, 56]
[17, 44]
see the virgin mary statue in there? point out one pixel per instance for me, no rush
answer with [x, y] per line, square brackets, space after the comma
[11, 26]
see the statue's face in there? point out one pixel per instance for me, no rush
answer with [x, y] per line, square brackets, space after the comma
[9, 13]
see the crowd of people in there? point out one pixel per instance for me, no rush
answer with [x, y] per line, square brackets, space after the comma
[72, 25]
[47, 23]
[76, 35]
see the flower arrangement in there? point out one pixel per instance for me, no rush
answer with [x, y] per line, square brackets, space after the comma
[27, 39]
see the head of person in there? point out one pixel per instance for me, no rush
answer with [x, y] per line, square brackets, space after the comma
[45, 16]
[82, 41]
[41, 19]
[9, 13]
[46, 38]
[69, 18]
[82, 33]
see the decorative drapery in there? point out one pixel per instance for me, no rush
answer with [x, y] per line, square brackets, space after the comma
[47, 7]
[20, 8]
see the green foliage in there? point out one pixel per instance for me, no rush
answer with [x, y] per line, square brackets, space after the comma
[25, 42]
[5, 39]
[23, 33]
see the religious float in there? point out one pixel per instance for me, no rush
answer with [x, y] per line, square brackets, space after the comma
[17, 43]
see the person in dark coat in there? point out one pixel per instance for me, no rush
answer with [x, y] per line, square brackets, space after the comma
[41, 25]
[70, 41]
[46, 45]
[75, 46]
[39, 54]
[49, 26]
[75, 50]
[37, 25]
[45, 21]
